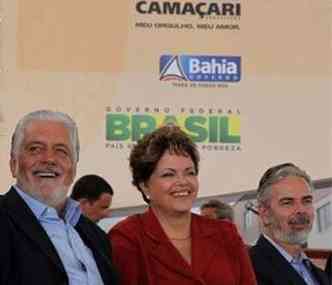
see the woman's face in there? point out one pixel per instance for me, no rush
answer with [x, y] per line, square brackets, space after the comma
[173, 185]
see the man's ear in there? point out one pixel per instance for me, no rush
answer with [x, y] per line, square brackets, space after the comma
[13, 166]
[74, 171]
[264, 214]
[84, 202]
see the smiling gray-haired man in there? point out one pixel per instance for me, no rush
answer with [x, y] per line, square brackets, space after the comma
[285, 207]
[44, 238]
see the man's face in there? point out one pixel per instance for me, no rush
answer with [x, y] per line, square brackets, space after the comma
[289, 215]
[98, 209]
[209, 212]
[44, 165]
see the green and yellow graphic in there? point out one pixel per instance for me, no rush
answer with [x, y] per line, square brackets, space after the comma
[127, 127]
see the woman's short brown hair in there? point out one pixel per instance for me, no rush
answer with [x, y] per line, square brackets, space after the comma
[146, 154]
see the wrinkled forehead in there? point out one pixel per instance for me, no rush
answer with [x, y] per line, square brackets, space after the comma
[47, 133]
[47, 130]
[292, 187]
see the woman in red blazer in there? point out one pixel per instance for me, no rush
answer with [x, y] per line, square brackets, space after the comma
[169, 245]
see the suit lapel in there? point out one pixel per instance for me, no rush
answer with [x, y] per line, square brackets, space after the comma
[164, 252]
[203, 239]
[328, 267]
[282, 264]
[320, 275]
[23, 217]
[89, 238]
[159, 246]
[281, 268]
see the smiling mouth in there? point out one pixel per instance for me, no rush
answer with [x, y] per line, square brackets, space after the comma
[181, 193]
[300, 221]
[46, 174]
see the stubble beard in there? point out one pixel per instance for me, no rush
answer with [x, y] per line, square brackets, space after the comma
[292, 237]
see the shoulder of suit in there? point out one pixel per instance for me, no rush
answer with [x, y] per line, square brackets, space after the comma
[3, 205]
[128, 229]
[258, 247]
[221, 230]
[5, 221]
[222, 225]
[92, 225]
[129, 223]
[256, 252]
[96, 234]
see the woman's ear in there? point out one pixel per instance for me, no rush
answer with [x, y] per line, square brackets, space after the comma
[145, 189]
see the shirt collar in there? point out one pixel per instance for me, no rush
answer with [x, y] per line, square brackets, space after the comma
[72, 211]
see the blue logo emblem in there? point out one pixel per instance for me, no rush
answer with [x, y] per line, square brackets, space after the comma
[200, 68]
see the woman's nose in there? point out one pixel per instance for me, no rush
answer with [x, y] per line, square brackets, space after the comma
[181, 178]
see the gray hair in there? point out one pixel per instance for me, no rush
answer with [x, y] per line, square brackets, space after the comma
[45, 115]
[275, 174]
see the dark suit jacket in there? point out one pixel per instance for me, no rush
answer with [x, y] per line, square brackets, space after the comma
[272, 268]
[145, 256]
[328, 268]
[27, 255]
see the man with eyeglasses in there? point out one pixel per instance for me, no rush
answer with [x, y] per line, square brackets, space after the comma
[286, 211]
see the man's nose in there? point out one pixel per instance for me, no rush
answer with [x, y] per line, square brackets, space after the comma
[301, 208]
[49, 156]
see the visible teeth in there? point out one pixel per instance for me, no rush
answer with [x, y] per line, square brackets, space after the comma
[46, 174]
[184, 193]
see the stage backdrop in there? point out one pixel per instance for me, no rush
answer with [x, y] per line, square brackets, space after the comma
[250, 81]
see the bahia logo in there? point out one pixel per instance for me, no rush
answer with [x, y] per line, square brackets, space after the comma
[200, 68]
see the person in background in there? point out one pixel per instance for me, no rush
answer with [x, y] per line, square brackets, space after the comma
[95, 195]
[286, 212]
[216, 209]
[44, 238]
[168, 244]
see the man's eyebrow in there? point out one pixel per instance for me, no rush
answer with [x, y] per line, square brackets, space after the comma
[308, 197]
[34, 142]
[286, 199]
[291, 198]
[62, 144]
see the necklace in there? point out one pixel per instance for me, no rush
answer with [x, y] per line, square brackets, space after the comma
[184, 238]
[166, 225]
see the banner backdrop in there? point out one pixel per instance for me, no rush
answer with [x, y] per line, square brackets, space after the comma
[250, 81]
